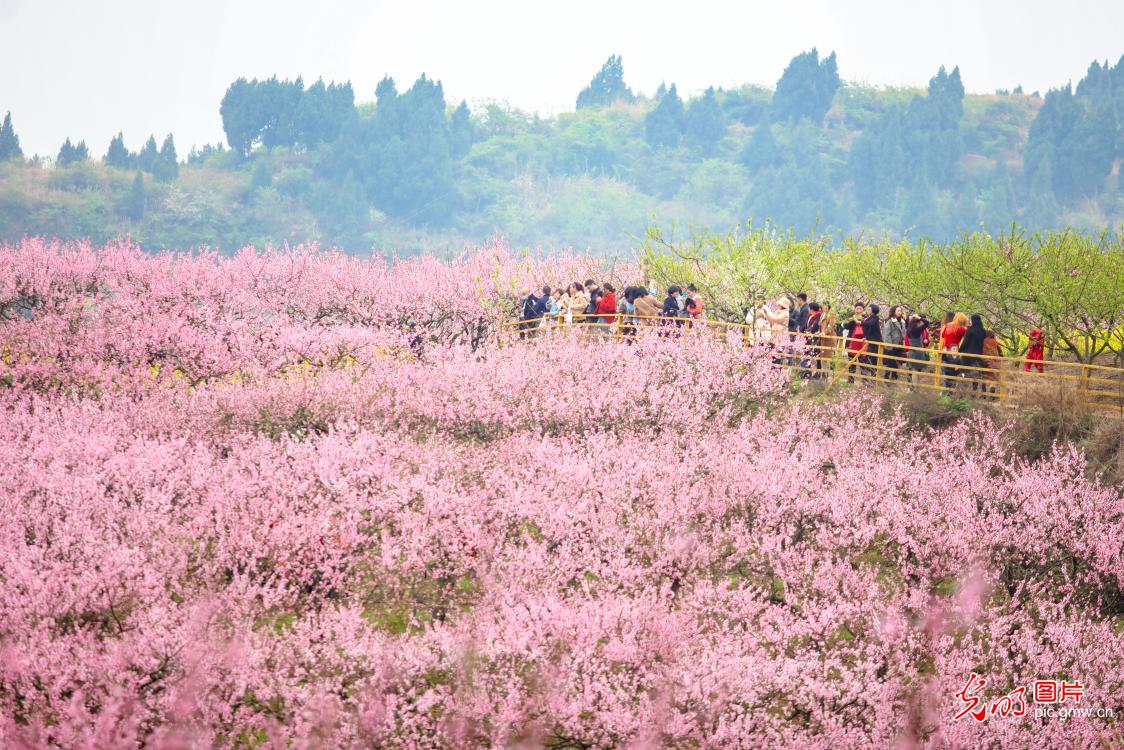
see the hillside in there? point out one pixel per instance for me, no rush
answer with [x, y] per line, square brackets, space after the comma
[413, 173]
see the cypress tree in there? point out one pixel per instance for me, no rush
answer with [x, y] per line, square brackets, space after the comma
[134, 204]
[146, 159]
[663, 126]
[607, 86]
[761, 149]
[117, 155]
[705, 122]
[9, 141]
[166, 167]
[71, 154]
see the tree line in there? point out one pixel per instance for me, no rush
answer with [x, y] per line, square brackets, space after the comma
[812, 153]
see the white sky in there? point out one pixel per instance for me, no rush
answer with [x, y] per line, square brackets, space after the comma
[86, 69]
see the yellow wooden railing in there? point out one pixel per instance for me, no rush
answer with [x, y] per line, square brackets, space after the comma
[1004, 380]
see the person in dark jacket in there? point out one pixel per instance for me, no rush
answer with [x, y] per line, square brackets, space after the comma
[971, 346]
[671, 304]
[872, 334]
[915, 338]
[798, 317]
[530, 313]
[594, 293]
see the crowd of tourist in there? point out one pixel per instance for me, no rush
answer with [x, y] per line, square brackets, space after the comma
[890, 345]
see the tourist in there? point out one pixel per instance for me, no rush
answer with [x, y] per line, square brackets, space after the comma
[671, 305]
[626, 309]
[971, 346]
[992, 352]
[579, 303]
[917, 339]
[647, 307]
[554, 308]
[607, 307]
[952, 332]
[812, 362]
[856, 345]
[694, 302]
[893, 334]
[1037, 351]
[829, 334]
[530, 313]
[594, 293]
[872, 332]
[798, 315]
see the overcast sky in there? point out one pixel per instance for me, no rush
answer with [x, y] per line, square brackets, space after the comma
[88, 68]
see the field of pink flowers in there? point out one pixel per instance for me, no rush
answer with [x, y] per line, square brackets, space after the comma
[295, 499]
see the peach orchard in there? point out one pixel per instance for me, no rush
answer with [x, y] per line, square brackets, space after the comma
[299, 499]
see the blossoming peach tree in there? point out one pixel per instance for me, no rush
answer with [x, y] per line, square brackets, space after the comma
[243, 504]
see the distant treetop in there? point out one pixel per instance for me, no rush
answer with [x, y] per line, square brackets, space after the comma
[607, 86]
[806, 87]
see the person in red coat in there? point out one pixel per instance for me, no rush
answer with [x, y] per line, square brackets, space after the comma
[607, 306]
[1035, 354]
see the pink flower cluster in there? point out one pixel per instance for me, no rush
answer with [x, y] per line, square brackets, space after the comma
[323, 534]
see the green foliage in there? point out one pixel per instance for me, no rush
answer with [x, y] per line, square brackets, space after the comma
[117, 155]
[412, 172]
[9, 141]
[134, 205]
[166, 167]
[760, 150]
[806, 87]
[72, 154]
[1069, 283]
[462, 133]
[664, 125]
[607, 86]
[261, 177]
[401, 154]
[705, 122]
[148, 156]
[1076, 136]
[283, 113]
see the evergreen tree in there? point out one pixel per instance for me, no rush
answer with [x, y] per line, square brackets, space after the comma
[240, 119]
[1074, 138]
[146, 159]
[999, 202]
[261, 176]
[342, 210]
[118, 156]
[607, 86]
[663, 126]
[921, 213]
[878, 164]
[806, 87]
[1042, 209]
[405, 165]
[386, 92]
[760, 150]
[9, 141]
[462, 134]
[134, 204]
[72, 154]
[166, 167]
[705, 122]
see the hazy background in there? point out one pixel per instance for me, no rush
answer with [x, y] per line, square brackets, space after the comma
[89, 69]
